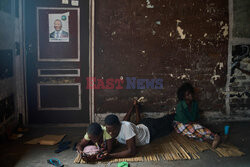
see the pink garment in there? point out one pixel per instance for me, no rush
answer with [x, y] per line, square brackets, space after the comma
[90, 150]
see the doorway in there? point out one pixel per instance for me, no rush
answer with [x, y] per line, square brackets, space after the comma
[57, 61]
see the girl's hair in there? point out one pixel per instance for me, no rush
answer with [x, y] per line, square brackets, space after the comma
[94, 129]
[185, 87]
[112, 120]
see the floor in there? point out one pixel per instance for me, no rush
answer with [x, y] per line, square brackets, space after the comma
[15, 153]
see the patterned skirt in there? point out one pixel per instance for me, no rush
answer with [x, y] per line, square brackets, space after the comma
[194, 130]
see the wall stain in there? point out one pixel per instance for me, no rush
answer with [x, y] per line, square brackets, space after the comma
[180, 30]
[143, 47]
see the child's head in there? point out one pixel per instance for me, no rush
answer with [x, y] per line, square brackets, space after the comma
[185, 92]
[95, 132]
[113, 125]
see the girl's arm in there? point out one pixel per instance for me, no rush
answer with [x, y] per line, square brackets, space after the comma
[109, 145]
[180, 115]
[197, 112]
[129, 152]
[81, 145]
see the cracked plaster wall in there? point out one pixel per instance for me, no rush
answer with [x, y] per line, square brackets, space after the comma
[178, 42]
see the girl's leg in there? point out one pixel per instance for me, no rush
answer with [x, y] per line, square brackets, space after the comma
[195, 131]
[138, 116]
[203, 132]
[206, 134]
[216, 141]
[128, 114]
[185, 129]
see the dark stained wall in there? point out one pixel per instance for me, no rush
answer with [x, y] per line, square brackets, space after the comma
[177, 41]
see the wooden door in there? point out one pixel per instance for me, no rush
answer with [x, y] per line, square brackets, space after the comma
[57, 56]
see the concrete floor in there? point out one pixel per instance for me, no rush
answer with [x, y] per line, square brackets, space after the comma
[15, 153]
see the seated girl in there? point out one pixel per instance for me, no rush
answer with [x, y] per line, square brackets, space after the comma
[97, 135]
[187, 115]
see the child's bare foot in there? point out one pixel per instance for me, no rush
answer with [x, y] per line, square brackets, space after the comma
[216, 141]
[135, 102]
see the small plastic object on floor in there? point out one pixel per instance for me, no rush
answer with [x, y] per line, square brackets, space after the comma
[55, 162]
[63, 146]
[122, 164]
[226, 129]
[74, 147]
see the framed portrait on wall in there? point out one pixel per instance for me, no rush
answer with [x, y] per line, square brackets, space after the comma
[58, 33]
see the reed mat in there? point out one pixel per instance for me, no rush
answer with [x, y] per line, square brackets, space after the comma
[175, 147]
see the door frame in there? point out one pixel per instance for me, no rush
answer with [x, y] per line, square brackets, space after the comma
[91, 63]
[91, 57]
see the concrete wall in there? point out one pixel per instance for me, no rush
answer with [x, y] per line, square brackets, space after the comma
[175, 41]
[7, 41]
[11, 84]
[7, 86]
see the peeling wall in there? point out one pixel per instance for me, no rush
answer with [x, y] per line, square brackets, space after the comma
[178, 42]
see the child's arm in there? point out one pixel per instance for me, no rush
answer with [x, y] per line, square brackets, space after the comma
[110, 145]
[180, 115]
[81, 145]
[130, 151]
[197, 110]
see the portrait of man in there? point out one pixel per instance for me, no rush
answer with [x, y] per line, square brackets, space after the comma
[58, 33]
[58, 28]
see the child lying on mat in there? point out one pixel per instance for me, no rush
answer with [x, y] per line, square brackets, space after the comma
[187, 115]
[136, 135]
[97, 135]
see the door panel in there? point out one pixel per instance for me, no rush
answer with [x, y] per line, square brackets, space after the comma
[59, 96]
[57, 61]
